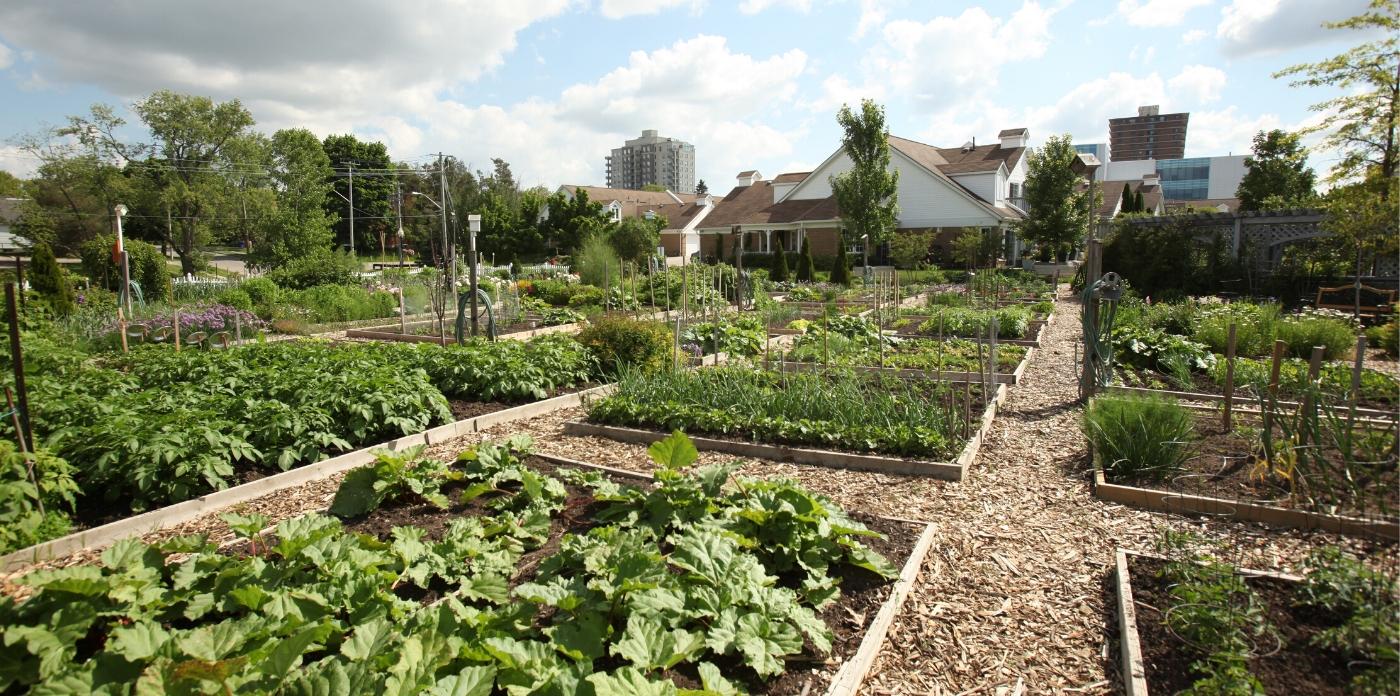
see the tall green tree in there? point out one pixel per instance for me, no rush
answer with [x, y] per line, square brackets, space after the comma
[1361, 123]
[702, 189]
[301, 174]
[779, 273]
[1138, 205]
[374, 192]
[841, 267]
[47, 278]
[571, 220]
[1127, 200]
[867, 194]
[1059, 214]
[806, 266]
[11, 186]
[1278, 167]
[636, 238]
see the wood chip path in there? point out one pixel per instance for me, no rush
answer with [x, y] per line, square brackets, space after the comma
[1012, 598]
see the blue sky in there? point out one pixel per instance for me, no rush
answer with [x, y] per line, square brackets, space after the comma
[552, 85]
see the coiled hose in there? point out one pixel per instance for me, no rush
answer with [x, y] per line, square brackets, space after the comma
[463, 302]
[1098, 330]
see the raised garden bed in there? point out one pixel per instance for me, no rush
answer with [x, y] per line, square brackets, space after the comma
[1178, 618]
[1229, 474]
[953, 360]
[531, 577]
[427, 332]
[939, 436]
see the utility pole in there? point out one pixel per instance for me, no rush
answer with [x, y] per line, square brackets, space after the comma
[352, 209]
[447, 252]
[125, 297]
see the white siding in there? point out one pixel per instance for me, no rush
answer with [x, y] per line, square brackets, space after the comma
[1226, 173]
[816, 185]
[984, 184]
[780, 189]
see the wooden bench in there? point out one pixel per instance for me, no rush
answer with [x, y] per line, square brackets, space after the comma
[1375, 302]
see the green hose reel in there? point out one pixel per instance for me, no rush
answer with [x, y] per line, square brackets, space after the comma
[1100, 307]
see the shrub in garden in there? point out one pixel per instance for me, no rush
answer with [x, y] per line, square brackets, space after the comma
[620, 342]
[584, 295]
[840, 267]
[1310, 329]
[145, 262]
[1139, 438]
[779, 273]
[325, 267]
[596, 262]
[806, 268]
[238, 298]
[48, 280]
[337, 303]
[262, 291]
[1386, 336]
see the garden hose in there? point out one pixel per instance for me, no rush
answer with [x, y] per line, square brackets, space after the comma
[1098, 330]
[463, 302]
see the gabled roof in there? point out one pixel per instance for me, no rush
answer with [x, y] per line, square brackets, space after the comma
[677, 215]
[1113, 192]
[791, 177]
[747, 172]
[603, 194]
[933, 160]
[1011, 131]
[983, 158]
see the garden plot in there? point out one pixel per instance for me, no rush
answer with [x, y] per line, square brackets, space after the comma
[155, 427]
[1015, 325]
[841, 418]
[1188, 623]
[493, 591]
[1310, 468]
[856, 343]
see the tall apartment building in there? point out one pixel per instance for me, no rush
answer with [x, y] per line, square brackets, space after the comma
[653, 159]
[1149, 135]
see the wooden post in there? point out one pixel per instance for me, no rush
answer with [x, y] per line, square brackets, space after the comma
[1355, 394]
[685, 288]
[1229, 376]
[826, 337]
[995, 369]
[177, 329]
[1277, 362]
[121, 326]
[1309, 408]
[1089, 379]
[238, 324]
[17, 355]
[24, 449]
[19, 279]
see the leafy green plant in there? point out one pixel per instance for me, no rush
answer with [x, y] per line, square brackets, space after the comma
[1364, 601]
[741, 336]
[393, 475]
[33, 507]
[1139, 437]
[620, 343]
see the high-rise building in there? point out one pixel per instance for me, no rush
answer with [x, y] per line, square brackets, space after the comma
[1149, 135]
[653, 159]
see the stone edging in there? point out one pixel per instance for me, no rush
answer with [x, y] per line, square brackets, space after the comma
[950, 471]
[178, 513]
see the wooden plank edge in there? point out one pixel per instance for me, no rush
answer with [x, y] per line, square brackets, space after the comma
[1202, 396]
[796, 455]
[852, 674]
[1158, 500]
[184, 511]
[1130, 649]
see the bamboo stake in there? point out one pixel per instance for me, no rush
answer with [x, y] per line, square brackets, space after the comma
[967, 408]
[1355, 394]
[403, 314]
[1229, 377]
[177, 330]
[826, 337]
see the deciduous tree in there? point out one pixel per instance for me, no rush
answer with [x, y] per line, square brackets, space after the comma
[1059, 213]
[866, 194]
[1277, 167]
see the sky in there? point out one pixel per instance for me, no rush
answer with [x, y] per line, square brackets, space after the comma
[551, 86]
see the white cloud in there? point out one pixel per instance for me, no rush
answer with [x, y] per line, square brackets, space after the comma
[949, 59]
[1193, 36]
[7, 57]
[618, 9]
[872, 15]
[17, 162]
[756, 6]
[318, 54]
[1157, 13]
[837, 90]
[1256, 27]
[1211, 133]
[1201, 83]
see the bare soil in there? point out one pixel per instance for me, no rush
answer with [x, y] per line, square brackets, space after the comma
[1287, 664]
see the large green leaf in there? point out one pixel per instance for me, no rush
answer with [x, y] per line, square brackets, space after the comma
[356, 495]
[649, 646]
[629, 681]
[471, 681]
[673, 453]
[139, 641]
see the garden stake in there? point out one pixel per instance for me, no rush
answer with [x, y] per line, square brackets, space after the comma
[939, 364]
[1356, 381]
[19, 363]
[826, 338]
[1309, 408]
[403, 315]
[24, 450]
[992, 352]
[1229, 377]
[177, 330]
[1279, 347]
[607, 288]
[967, 408]
[121, 326]
[685, 289]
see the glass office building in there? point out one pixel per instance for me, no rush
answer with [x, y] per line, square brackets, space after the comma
[1185, 179]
